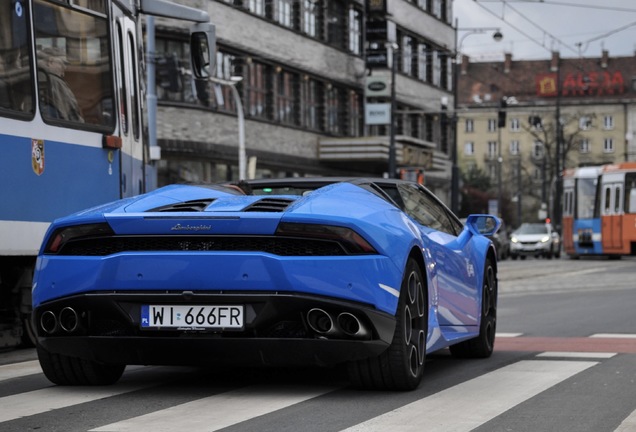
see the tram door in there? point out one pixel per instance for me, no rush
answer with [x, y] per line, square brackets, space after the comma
[126, 59]
[612, 215]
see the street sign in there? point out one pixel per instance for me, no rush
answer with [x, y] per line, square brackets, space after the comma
[377, 113]
[377, 86]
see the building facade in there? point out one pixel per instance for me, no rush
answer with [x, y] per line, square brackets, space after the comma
[303, 66]
[507, 124]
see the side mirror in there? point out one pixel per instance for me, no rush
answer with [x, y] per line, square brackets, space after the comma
[203, 50]
[483, 224]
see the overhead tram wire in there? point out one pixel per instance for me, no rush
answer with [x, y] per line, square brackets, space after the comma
[558, 3]
[541, 44]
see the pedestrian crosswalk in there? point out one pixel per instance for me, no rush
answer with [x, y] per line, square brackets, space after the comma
[461, 406]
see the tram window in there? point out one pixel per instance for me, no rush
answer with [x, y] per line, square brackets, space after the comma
[74, 73]
[94, 5]
[134, 95]
[122, 79]
[608, 197]
[617, 200]
[630, 193]
[16, 88]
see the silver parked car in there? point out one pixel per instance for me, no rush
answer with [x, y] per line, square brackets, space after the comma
[535, 239]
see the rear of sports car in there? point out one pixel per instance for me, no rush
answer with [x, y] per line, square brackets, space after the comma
[192, 275]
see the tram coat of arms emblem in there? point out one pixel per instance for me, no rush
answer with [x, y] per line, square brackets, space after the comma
[37, 156]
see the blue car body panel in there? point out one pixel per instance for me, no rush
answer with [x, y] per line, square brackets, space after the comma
[453, 265]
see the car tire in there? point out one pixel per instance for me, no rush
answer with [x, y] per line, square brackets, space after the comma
[72, 371]
[482, 346]
[401, 366]
[513, 256]
[29, 339]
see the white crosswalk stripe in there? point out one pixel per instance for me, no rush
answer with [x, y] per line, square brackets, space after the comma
[481, 398]
[629, 424]
[219, 411]
[47, 399]
[21, 369]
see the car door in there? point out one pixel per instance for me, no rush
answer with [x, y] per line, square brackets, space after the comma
[451, 271]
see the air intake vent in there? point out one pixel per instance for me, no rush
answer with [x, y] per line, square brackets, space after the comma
[269, 205]
[186, 206]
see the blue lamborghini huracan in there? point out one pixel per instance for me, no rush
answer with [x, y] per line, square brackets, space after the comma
[371, 273]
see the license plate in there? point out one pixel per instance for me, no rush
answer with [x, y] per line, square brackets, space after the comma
[192, 317]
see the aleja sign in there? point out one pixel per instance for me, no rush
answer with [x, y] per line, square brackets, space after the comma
[580, 84]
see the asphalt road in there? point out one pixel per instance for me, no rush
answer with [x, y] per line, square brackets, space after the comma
[565, 360]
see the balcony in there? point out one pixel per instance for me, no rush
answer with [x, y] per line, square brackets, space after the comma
[371, 154]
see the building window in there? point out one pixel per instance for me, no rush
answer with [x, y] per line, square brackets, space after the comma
[585, 123]
[608, 122]
[407, 54]
[469, 148]
[437, 8]
[437, 68]
[285, 108]
[584, 146]
[333, 110]
[283, 13]
[355, 31]
[492, 149]
[608, 145]
[535, 122]
[515, 125]
[336, 20]
[492, 125]
[422, 62]
[257, 7]
[449, 72]
[310, 17]
[310, 102]
[224, 97]
[470, 125]
[355, 114]
[514, 147]
[537, 150]
[255, 90]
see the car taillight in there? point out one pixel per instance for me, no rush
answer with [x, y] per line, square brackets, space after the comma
[61, 236]
[350, 240]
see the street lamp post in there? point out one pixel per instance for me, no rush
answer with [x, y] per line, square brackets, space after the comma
[497, 36]
[559, 162]
[242, 158]
[392, 157]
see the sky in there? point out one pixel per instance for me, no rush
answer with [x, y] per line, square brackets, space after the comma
[532, 29]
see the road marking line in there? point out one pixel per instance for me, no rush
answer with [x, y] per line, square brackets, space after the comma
[219, 411]
[629, 424]
[481, 399]
[567, 344]
[21, 369]
[591, 355]
[50, 398]
[614, 335]
[508, 335]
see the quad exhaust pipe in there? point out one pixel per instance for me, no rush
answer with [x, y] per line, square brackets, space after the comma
[345, 323]
[321, 322]
[351, 326]
[67, 320]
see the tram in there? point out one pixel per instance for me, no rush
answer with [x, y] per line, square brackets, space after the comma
[581, 227]
[616, 207]
[71, 126]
